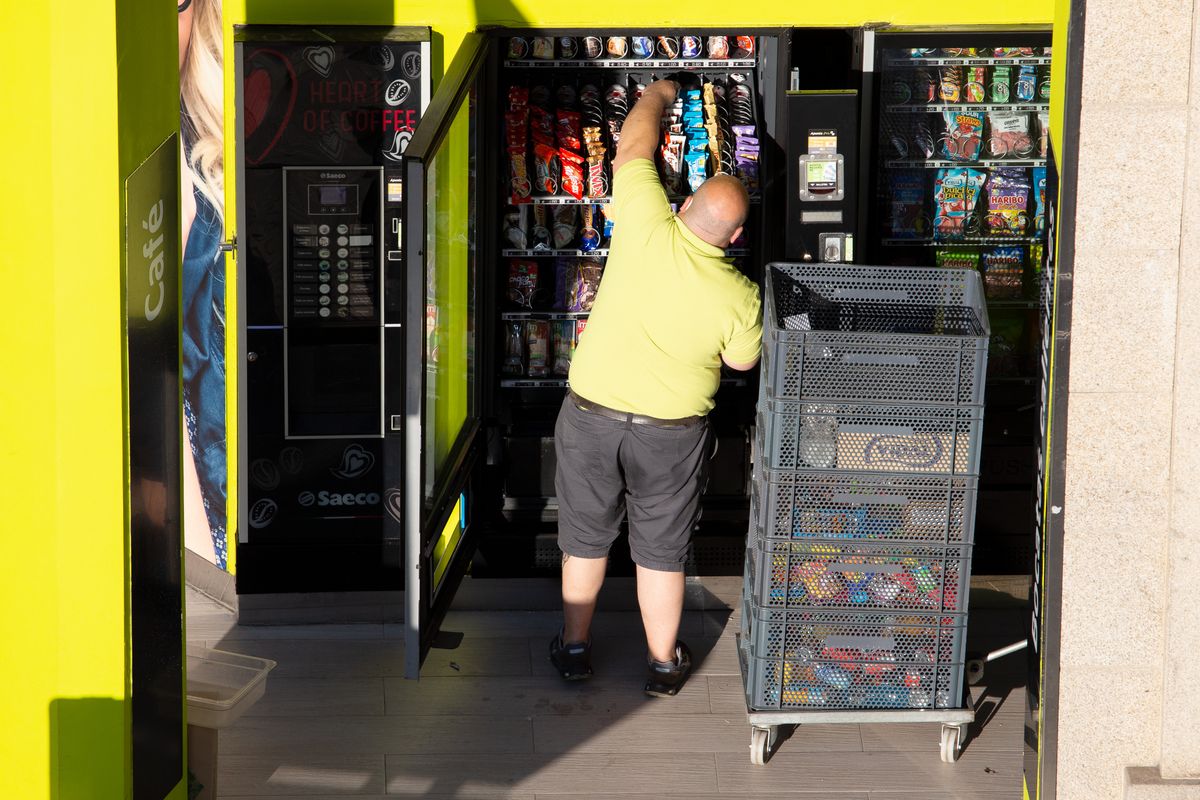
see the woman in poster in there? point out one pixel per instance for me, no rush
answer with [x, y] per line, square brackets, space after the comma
[202, 184]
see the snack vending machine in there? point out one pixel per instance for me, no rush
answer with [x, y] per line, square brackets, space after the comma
[959, 149]
[561, 100]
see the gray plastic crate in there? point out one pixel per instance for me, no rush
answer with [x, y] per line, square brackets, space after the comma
[824, 660]
[878, 334]
[856, 576]
[916, 509]
[866, 437]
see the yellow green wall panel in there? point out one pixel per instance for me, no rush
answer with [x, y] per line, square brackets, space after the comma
[90, 90]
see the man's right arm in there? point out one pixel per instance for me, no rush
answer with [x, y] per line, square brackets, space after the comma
[744, 347]
[641, 134]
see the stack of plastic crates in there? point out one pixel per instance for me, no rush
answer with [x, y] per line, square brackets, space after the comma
[866, 475]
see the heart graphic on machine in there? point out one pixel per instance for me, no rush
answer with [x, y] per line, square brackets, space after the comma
[320, 59]
[356, 462]
[270, 98]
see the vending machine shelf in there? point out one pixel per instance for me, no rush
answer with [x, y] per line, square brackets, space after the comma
[568, 200]
[632, 64]
[933, 163]
[969, 240]
[731, 252]
[552, 316]
[967, 61]
[561, 383]
[925, 108]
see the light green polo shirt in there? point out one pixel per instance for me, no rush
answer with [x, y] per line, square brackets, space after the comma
[669, 306]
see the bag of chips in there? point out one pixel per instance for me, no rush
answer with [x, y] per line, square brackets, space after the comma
[522, 283]
[537, 342]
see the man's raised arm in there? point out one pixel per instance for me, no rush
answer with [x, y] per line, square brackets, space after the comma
[641, 134]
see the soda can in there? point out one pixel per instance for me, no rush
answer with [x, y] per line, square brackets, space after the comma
[568, 48]
[691, 46]
[643, 47]
[593, 47]
[618, 46]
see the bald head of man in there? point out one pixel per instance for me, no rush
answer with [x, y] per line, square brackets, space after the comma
[717, 210]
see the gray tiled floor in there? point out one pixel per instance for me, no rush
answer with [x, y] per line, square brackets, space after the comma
[490, 720]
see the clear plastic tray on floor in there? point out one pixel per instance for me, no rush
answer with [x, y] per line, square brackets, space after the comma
[222, 686]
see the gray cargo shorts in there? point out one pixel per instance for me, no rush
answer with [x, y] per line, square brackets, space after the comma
[607, 468]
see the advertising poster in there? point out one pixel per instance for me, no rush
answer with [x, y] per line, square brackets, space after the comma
[202, 206]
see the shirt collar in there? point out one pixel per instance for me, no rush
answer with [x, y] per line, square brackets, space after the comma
[696, 242]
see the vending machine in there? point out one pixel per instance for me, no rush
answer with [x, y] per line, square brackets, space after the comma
[324, 117]
[958, 140]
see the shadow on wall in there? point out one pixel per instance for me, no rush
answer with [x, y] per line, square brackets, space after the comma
[87, 748]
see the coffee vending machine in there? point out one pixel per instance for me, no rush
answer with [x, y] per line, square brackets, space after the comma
[325, 115]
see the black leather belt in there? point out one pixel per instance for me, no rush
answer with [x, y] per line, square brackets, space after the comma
[584, 404]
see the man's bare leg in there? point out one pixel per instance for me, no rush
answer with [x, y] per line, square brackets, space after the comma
[660, 596]
[581, 582]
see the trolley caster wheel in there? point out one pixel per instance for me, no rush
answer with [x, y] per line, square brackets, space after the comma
[952, 742]
[761, 740]
[975, 671]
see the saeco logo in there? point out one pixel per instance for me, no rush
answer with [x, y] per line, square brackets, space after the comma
[324, 499]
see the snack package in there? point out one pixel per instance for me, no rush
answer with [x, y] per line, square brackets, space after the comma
[518, 98]
[718, 47]
[617, 46]
[672, 161]
[540, 233]
[1003, 271]
[518, 170]
[697, 171]
[546, 164]
[593, 47]
[691, 46]
[955, 192]
[1038, 179]
[563, 338]
[906, 207]
[950, 85]
[1026, 84]
[959, 52]
[973, 90]
[515, 227]
[1043, 133]
[537, 343]
[522, 282]
[589, 237]
[578, 282]
[541, 126]
[565, 226]
[568, 47]
[569, 131]
[964, 135]
[543, 47]
[1010, 134]
[597, 178]
[1043, 91]
[1001, 84]
[517, 47]
[572, 173]
[956, 259]
[1012, 52]
[743, 47]
[668, 47]
[1008, 203]
[514, 348]
[924, 86]
[606, 231]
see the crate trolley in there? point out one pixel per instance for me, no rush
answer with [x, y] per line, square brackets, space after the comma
[862, 514]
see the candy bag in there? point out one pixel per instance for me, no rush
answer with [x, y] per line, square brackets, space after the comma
[1008, 203]
[1026, 84]
[956, 259]
[540, 233]
[572, 173]
[950, 86]
[545, 159]
[537, 340]
[1010, 134]
[589, 237]
[569, 131]
[973, 91]
[522, 282]
[1039, 197]
[1003, 269]
[514, 348]
[954, 195]
[964, 135]
[541, 125]
[1001, 79]
[586, 285]
[515, 225]
[565, 223]
[518, 170]
[906, 217]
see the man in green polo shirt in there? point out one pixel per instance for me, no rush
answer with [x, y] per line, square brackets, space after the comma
[632, 436]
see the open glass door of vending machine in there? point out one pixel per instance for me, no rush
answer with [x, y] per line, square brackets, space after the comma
[442, 392]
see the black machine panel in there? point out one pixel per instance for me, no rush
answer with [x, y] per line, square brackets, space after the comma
[325, 117]
[822, 153]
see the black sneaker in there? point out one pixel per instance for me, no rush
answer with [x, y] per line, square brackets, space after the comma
[667, 677]
[572, 660]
